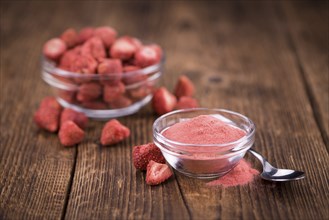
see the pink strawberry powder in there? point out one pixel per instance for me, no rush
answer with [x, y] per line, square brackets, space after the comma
[203, 129]
[242, 174]
[206, 129]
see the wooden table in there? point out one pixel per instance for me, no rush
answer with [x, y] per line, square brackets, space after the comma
[267, 60]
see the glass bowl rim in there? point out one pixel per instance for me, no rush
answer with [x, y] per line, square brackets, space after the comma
[177, 144]
[50, 67]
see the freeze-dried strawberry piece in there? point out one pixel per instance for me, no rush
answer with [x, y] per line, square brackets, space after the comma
[89, 91]
[130, 68]
[131, 78]
[134, 78]
[184, 87]
[157, 173]
[139, 92]
[47, 115]
[50, 102]
[186, 102]
[54, 48]
[136, 42]
[85, 34]
[113, 132]
[112, 67]
[163, 101]
[64, 79]
[68, 58]
[70, 37]
[124, 48]
[120, 102]
[97, 105]
[68, 96]
[111, 92]
[95, 47]
[70, 134]
[84, 64]
[77, 117]
[47, 119]
[148, 55]
[143, 154]
[76, 62]
[106, 34]
[157, 48]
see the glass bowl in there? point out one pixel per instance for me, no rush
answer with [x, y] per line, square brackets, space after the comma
[205, 160]
[134, 91]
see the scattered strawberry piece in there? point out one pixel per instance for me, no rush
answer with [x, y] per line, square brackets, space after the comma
[148, 55]
[95, 47]
[157, 173]
[54, 48]
[47, 119]
[163, 101]
[85, 34]
[70, 37]
[111, 92]
[143, 154]
[113, 132]
[110, 66]
[70, 133]
[125, 47]
[120, 102]
[186, 102]
[48, 113]
[106, 34]
[50, 102]
[77, 117]
[184, 87]
[89, 91]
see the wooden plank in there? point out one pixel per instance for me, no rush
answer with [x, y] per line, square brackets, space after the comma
[106, 185]
[245, 63]
[35, 169]
[308, 29]
[241, 59]
[281, 134]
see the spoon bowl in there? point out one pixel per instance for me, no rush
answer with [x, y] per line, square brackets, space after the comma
[271, 173]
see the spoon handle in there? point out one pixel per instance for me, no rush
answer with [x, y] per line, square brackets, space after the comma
[258, 156]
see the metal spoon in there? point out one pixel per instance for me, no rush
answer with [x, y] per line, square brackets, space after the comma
[274, 174]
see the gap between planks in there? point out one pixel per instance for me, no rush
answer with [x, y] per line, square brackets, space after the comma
[70, 184]
[183, 198]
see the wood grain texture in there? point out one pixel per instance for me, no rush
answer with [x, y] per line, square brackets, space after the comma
[260, 78]
[308, 27]
[35, 170]
[258, 58]
[106, 185]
